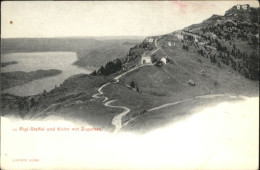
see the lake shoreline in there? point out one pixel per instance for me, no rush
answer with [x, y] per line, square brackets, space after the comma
[16, 78]
[33, 61]
[5, 64]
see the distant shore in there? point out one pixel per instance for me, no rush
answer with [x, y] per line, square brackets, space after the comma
[11, 79]
[4, 64]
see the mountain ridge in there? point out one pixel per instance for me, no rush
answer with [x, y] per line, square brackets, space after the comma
[216, 32]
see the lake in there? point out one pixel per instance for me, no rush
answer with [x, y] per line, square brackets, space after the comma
[41, 60]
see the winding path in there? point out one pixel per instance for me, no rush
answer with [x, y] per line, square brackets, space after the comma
[158, 48]
[196, 97]
[117, 120]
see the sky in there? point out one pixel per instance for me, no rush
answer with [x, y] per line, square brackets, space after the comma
[106, 18]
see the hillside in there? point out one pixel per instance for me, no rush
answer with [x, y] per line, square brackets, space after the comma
[232, 39]
[182, 71]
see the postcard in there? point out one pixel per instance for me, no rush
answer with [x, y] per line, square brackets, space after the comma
[129, 85]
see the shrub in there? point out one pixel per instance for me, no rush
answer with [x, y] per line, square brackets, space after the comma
[132, 84]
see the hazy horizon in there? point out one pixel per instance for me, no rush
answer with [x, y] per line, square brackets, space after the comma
[78, 37]
[55, 19]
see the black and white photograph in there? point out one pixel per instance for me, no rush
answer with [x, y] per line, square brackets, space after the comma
[129, 85]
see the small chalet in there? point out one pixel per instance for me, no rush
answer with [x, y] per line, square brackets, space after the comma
[244, 7]
[146, 59]
[202, 72]
[191, 83]
[150, 40]
[179, 36]
[164, 60]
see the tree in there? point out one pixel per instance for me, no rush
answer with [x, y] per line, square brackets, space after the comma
[215, 83]
[110, 68]
[137, 89]
[253, 66]
[33, 102]
[158, 63]
[187, 48]
[132, 84]
[254, 40]
[94, 73]
[44, 93]
[101, 70]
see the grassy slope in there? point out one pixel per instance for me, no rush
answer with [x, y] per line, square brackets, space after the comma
[171, 79]
[71, 100]
[168, 115]
[160, 85]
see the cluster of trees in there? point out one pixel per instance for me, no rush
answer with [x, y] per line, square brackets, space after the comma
[227, 37]
[185, 47]
[211, 42]
[135, 52]
[225, 57]
[247, 28]
[188, 37]
[254, 41]
[116, 65]
[246, 64]
[222, 51]
[146, 45]
[251, 65]
[213, 59]
[159, 63]
[237, 53]
[200, 52]
[242, 35]
[216, 30]
[110, 68]
[219, 47]
[239, 30]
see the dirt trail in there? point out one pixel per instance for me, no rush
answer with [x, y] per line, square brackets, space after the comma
[196, 97]
[185, 100]
[117, 120]
[156, 44]
[97, 95]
